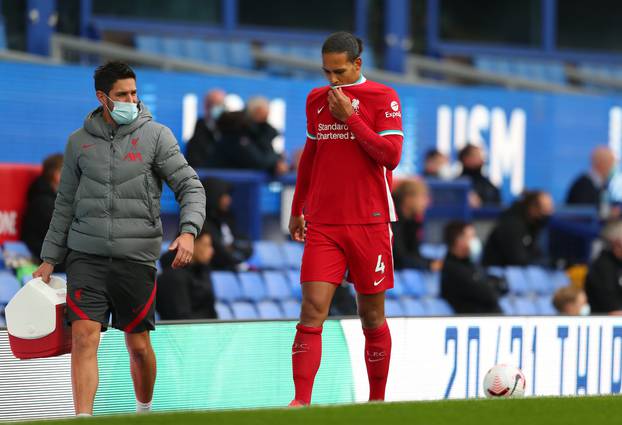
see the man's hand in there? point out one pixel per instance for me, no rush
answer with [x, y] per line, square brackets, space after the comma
[339, 104]
[297, 228]
[184, 244]
[44, 271]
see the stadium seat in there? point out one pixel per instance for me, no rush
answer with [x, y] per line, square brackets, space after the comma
[507, 307]
[9, 286]
[164, 247]
[399, 288]
[252, 286]
[268, 255]
[525, 306]
[392, 308]
[172, 47]
[496, 272]
[223, 311]
[216, 52]
[244, 310]
[269, 310]
[3, 43]
[544, 306]
[148, 43]
[517, 281]
[240, 54]
[434, 251]
[432, 284]
[294, 281]
[539, 280]
[226, 286]
[16, 249]
[437, 307]
[291, 309]
[277, 286]
[293, 254]
[559, 279]
[413, 282]
[412, 307]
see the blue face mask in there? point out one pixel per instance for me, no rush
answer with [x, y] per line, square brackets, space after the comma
[123, 112]
[216, 111]
[475, 249]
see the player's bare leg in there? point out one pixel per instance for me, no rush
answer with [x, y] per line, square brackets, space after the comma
[377, 342]
[142, 367]
[307, 348]
[84, 374]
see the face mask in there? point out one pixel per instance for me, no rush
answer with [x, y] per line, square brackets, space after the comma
[585, 310]
[123, 112]
[475, 249]
[445, 172]
[216, 111]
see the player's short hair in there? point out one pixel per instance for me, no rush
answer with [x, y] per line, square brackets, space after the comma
[531, 198]
[343, 42]
[432, 153]
[52, 164]
[106, 75]
[454, 230]
[466, 151]
[564, 296]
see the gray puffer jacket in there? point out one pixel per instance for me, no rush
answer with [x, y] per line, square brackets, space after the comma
[108, 202]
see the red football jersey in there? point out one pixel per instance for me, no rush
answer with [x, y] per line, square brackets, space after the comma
[349, 181]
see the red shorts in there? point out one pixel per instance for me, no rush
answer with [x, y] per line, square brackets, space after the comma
[363, 250]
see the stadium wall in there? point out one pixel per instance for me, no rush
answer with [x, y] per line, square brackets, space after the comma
[248, 364]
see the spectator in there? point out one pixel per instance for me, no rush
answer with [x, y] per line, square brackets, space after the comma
[571, 301]
[484, 192]
[465, 287]
[411, 201]
[602, 285]
[591, 188]
[200, 148]
[436, 165]
[231, 248]
[514, 239]
[186, 293]
[40, 205]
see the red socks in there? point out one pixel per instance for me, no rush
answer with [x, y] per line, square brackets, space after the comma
[306, 357]
[377, 358]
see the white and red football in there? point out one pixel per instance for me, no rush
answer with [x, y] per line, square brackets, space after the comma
[504, 380]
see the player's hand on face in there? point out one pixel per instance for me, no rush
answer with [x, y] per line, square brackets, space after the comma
[339, 104]
[184, 244]
[297, 228]
[44, 271]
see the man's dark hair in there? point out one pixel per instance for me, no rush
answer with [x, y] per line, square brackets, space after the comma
[466, 151]
[432, 153]
[531, 198]
[106, 75]
[52, 164]
[453, 230]
[343, 42]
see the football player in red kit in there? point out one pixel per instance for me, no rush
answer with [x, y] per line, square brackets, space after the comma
[343, 209]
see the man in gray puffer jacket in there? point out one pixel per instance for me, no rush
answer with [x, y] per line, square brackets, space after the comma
[107, 224]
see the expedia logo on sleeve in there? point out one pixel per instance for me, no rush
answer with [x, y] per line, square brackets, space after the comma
[396, 110]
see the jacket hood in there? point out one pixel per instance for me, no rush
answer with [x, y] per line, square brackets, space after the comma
[95, 124]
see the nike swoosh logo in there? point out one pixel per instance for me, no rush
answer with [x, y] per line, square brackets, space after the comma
[298, 352]
[320, 110]
[88, 146]
[376, 283]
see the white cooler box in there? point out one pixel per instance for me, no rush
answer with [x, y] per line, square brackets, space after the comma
[35, 320]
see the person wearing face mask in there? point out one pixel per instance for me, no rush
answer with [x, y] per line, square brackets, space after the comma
[106, 226]
[514, 239]
[591, 188]
[603, 284]
[484, 192]
[201, 146]
[436, 165]
[571, 301]
[466, 287]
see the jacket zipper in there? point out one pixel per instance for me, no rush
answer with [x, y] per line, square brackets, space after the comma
[111, 194]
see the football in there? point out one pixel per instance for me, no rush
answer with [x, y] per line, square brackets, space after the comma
[504, 381]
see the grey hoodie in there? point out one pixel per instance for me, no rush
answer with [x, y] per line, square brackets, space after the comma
[108, 202]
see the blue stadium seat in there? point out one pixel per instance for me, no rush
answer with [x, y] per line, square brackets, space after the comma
[539, 280]
[268, 255]
[269, 310]
[507, 306]
[530, 69]
[294, 281]
[9, 285]
[240, 54]
[432, 284]
[223, 311]
[413, 282]
[434, 251]
[517, 280]
[559, 279]
[226, 286]
[293, 254]
[164, 247]
[243, 310]
[392, 308]
[173, 47]
[252, 286]
[437, 307]
[277, 286]
[291, 309]
[496, 272]
[412, 307]
[525, 306]
[216, 52]
[148, 43]
[544, 305]
[399, 287]
[16, 249]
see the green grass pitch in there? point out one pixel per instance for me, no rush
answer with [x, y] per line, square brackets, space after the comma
[528, 411]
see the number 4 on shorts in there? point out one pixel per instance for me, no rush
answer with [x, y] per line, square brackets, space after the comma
[380, 265]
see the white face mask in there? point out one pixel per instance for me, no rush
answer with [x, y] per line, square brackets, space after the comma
[475, 249]
[585, 310]
[445, 172]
